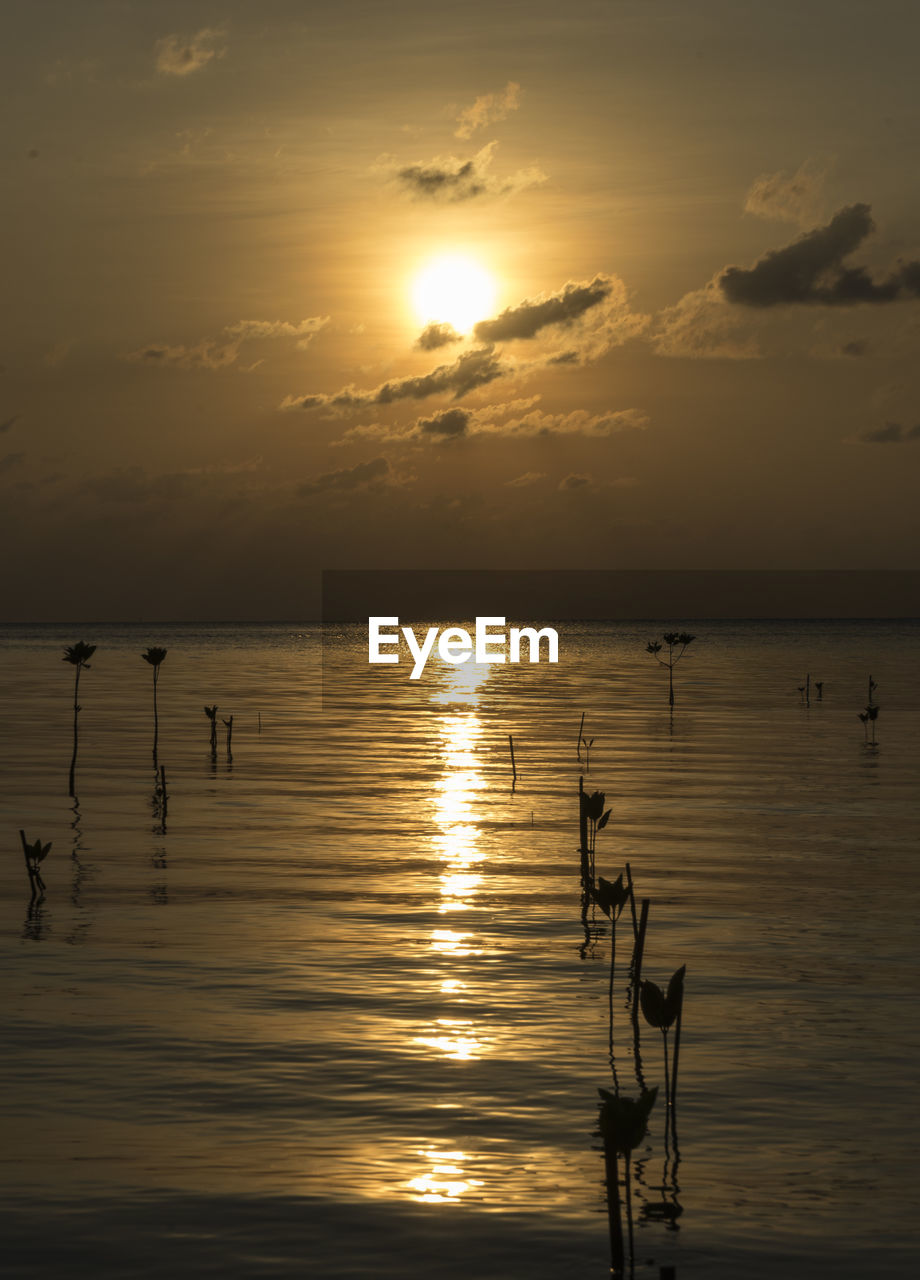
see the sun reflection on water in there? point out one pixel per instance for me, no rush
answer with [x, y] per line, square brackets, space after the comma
[446, 1180]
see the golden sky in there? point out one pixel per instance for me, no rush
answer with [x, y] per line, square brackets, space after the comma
[295, 286]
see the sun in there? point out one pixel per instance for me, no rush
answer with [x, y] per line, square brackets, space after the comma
[454, 290]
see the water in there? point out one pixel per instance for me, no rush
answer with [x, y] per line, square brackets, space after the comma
[338, 1016]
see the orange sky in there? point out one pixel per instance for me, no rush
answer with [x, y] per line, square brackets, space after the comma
[700, 223]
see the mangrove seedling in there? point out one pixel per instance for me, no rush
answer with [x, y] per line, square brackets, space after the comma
[661, 1009]
[78, 655]
[34, 854]
[594, 818]
[155, 656]
[674, 640]
[869, 716]
[228, 725]
[211, 713]
[611, 898]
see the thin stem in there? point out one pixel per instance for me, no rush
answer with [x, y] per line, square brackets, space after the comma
[156, 718]
[76, 712]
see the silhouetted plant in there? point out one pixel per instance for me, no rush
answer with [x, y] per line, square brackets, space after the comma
[211, 713]
[155, 656]
[661, 1009]
[78, 655]
[228, 725]
[611, 898]
[34, 854]
[869, 716]
[674, 640]
[819, 685]
[597, 818]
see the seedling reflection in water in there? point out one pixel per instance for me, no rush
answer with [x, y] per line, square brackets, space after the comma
[623, 1125]
[34, 854]
[78, 655]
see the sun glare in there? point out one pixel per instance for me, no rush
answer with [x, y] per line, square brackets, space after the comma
[453, 290]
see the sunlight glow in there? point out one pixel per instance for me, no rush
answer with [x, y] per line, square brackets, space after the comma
[453, 290]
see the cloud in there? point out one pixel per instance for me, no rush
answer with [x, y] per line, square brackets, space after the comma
[304, 330]
[580, 482]
[360, 476]
[788, 197]
[487, 109]
[857, 347]
[811, 270]
[574, 481]
[523, 481]
[449, 179]
[9, 423]
[224, 350]
[436, 335]
[514, 420]
[472, 369]
[579, 422]
[450, 422]
[890, 433]
[179, 56]
[702, 326]
[533, 314]
[579, 323]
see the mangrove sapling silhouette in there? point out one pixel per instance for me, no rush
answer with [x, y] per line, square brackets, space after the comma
[661, 1009]
[34, 855]
[155, 656]
[819, 685]
[611, 898]
[674, 640]
[869, 716]
[228, 725]
[581, 730]
[595, 818]
[78, 655]
[211, 713]
[623, 1126]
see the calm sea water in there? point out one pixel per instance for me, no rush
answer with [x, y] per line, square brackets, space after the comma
[336, 1014]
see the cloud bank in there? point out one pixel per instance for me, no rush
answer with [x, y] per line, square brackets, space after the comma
[811, 271]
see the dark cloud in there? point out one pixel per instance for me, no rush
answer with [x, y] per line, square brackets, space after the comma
[359, 476]
[890, 433]
[436, 335]
[10, 461]
[472, 369]
[223, 351]
[533, 314]
[524, 481]
[855, 348]
[451, 180]
[811, 270]
[450, 422]
[9, 422]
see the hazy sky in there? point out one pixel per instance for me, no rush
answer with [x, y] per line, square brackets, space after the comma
[698, 222]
